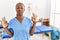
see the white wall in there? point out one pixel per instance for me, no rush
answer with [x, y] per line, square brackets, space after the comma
[55, 13]
[40, 7]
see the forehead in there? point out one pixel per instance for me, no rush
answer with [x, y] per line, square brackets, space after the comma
[20, 4]
[45, 21]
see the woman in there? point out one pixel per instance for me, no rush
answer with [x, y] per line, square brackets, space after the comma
[22, 26]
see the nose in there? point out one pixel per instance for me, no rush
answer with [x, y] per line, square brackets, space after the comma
[19, 8]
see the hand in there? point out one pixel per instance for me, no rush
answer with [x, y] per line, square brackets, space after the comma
[4, 22]
[34, 18]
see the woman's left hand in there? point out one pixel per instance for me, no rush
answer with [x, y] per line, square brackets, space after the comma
[34, 18]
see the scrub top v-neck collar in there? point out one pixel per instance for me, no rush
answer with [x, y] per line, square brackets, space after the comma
[20, 22]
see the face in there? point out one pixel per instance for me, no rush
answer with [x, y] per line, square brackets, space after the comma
[45, 23]
[20, 9]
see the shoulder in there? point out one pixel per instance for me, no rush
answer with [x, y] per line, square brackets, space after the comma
[12, 20]
[11, 23]
[28, 19]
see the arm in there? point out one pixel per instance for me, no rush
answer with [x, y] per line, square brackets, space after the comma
[5, 26]
[34, 24]
[8, 32]
[33, 29]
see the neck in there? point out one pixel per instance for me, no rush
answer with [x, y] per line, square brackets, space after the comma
[19, 16]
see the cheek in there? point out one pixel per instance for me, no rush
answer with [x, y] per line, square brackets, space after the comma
[23, 10]
[16, 10]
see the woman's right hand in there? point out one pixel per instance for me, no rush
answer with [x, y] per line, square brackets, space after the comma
[4, 23]
[5, 26]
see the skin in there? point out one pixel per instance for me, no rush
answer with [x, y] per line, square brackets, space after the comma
[20, 8]
[45, 22]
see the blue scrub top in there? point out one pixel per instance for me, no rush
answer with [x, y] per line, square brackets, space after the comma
[21, 30]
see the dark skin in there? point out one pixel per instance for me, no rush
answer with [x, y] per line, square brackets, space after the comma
[20, 8]
[45, 22]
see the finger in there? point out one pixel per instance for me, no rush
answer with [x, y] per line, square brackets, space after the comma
[4, 19]
[34, 15]
[32, 18]
[6, 22]
[0, 21]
